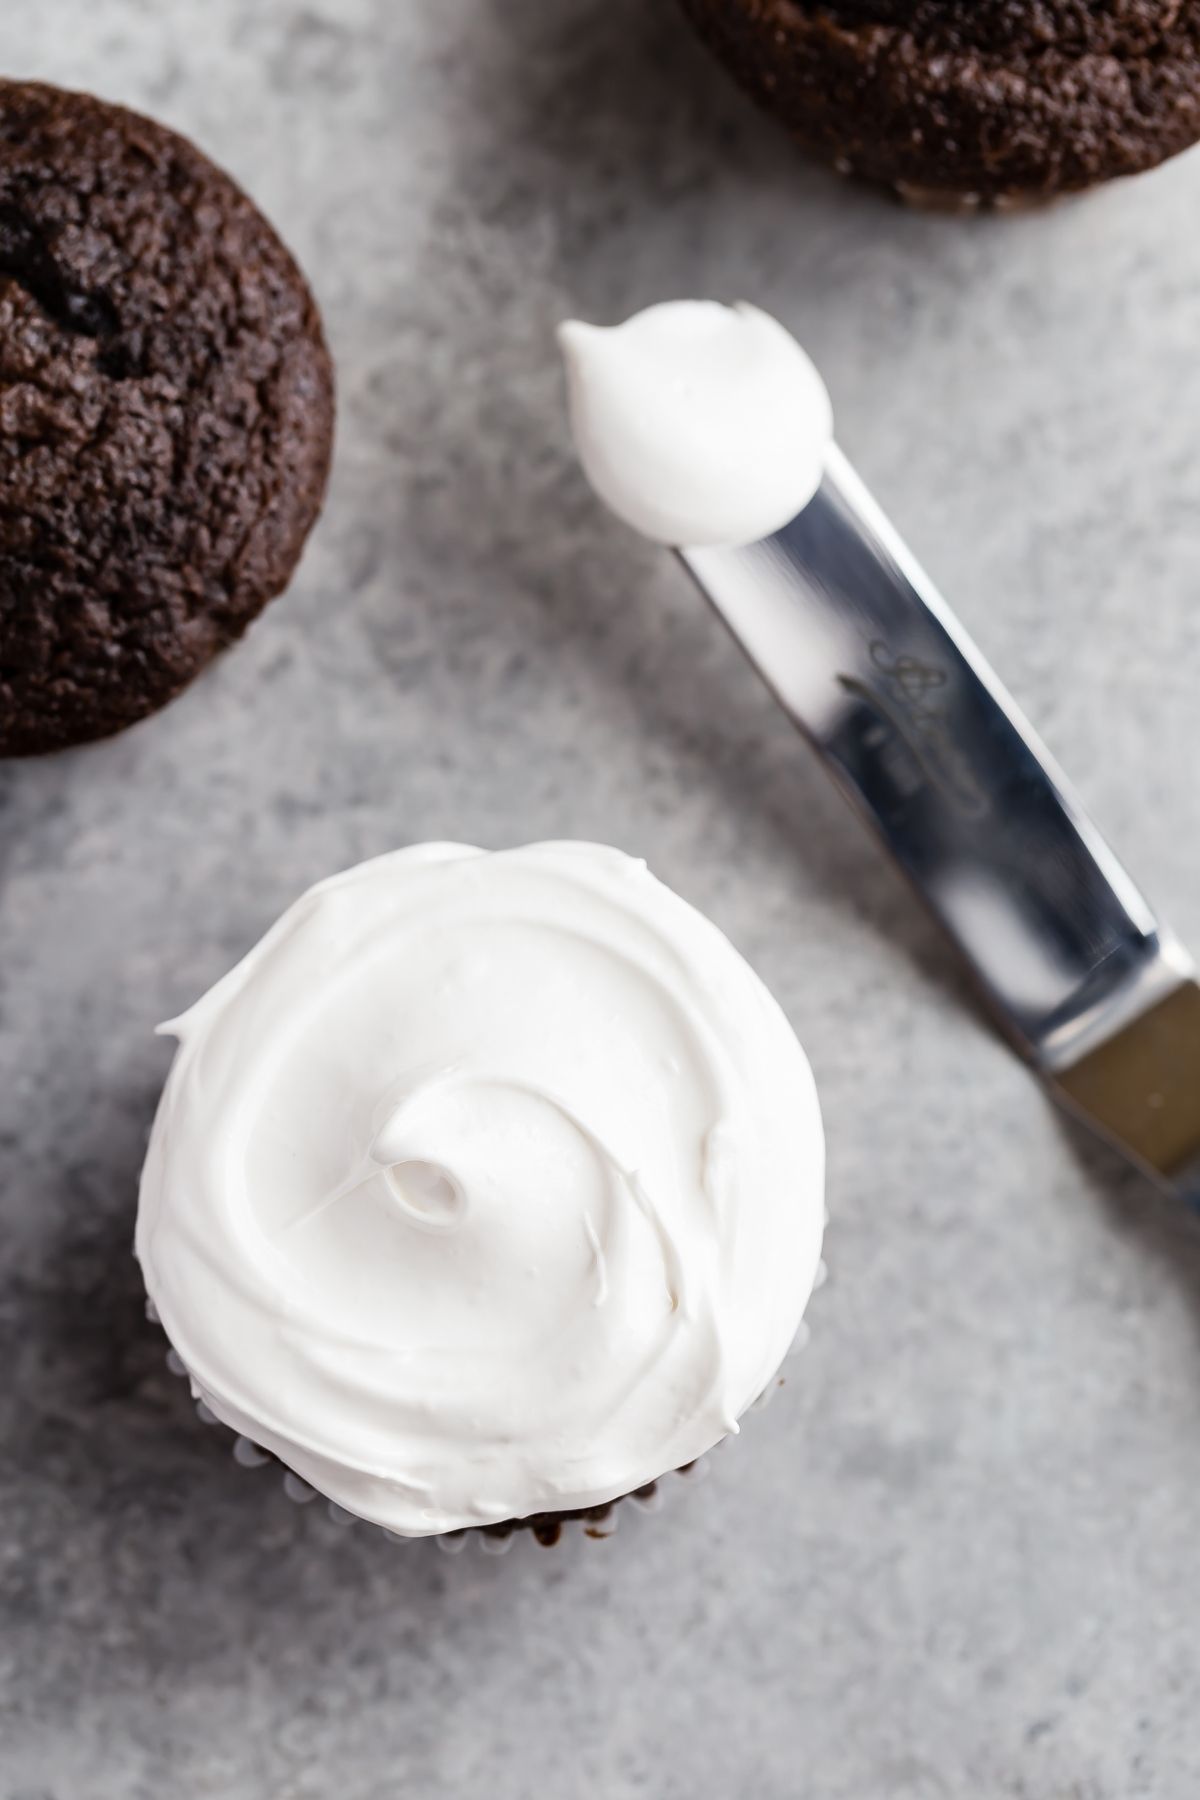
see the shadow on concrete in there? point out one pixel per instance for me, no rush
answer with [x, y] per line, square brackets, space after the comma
[1148, 1220]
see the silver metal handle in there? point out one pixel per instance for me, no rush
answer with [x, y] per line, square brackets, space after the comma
[871, 664]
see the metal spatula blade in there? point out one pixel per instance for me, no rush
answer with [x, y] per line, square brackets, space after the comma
[870, 663]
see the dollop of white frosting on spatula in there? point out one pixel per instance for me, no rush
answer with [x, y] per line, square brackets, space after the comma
[698, 424]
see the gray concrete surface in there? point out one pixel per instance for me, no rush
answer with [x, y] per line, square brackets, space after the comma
[959, 1556]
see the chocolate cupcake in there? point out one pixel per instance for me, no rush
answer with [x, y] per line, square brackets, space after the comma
[972, 100]
[166, 416]
[486, 1190]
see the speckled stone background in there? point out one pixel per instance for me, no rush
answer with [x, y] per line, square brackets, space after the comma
[959, 1556]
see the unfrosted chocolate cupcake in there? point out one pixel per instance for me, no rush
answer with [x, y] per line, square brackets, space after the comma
[166, 415]
[991, 101]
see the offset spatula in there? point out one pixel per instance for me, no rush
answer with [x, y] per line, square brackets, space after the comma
[869, 662]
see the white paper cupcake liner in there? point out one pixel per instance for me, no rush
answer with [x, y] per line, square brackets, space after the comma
[648, 1500]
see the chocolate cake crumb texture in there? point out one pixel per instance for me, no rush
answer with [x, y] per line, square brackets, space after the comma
[985, 99]
[166, 413]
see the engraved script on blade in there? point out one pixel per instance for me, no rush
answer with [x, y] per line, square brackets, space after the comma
[902, 697]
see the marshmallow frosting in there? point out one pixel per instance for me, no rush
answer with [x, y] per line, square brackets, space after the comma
[698, 424]
[486, 1184]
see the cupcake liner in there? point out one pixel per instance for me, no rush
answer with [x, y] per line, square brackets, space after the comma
[595, 1524]
[955, 202]
[961, 203]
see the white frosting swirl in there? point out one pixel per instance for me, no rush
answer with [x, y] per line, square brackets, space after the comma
[697, 423]
[484, 1185]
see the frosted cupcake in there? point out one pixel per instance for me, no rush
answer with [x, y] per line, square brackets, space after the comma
[485, 1189]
